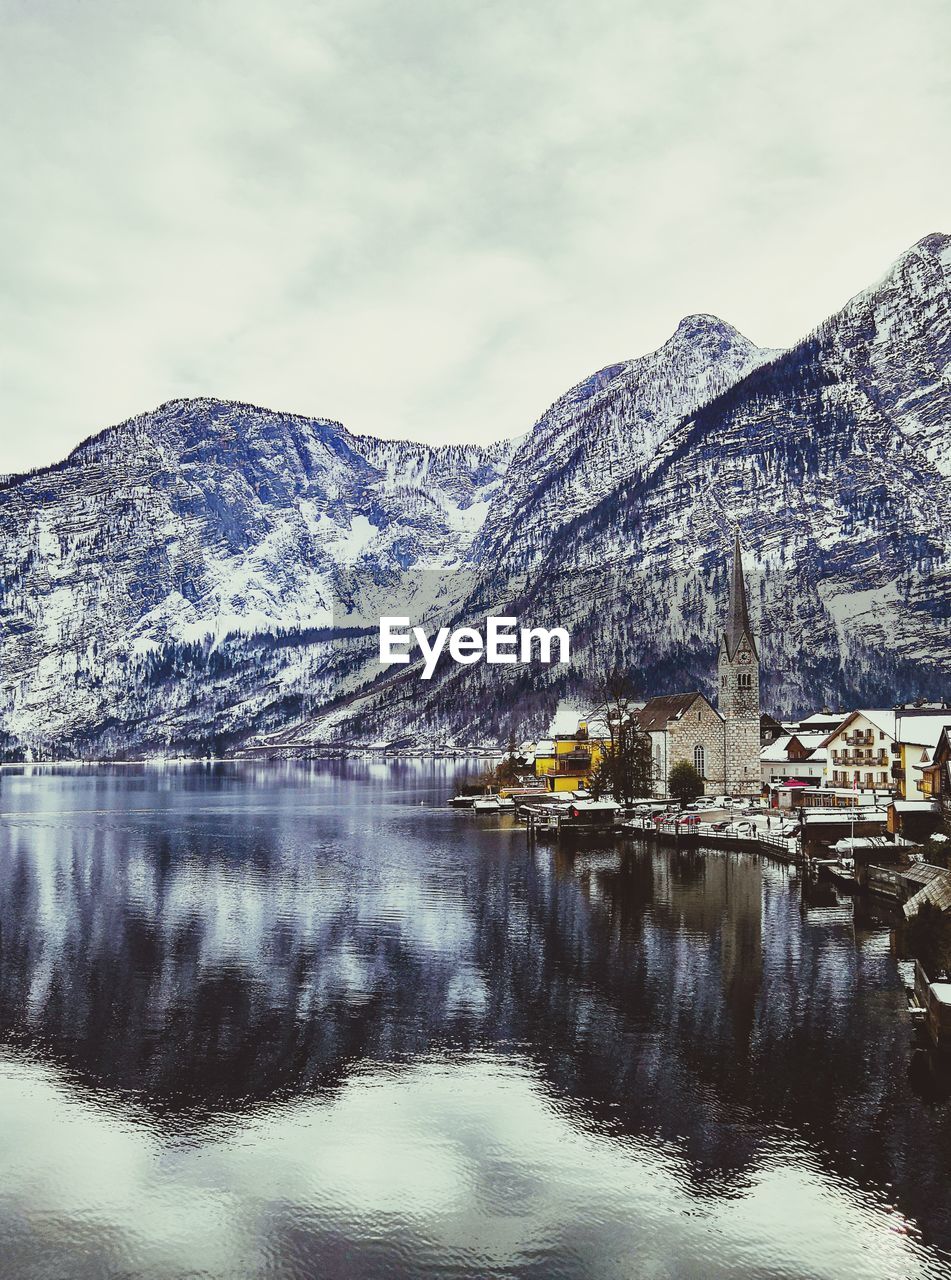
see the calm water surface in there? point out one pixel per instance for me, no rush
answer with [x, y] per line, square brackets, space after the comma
[304, 1021]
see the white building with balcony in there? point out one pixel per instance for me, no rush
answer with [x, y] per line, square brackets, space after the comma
[874, 750]
[862, 752]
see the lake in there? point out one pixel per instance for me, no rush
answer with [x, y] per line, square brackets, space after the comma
[303, 1020]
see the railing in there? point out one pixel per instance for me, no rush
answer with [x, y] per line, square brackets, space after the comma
[871, 760]
[568, 764]
[789, 846]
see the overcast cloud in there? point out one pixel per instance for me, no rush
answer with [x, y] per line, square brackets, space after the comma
[426, 218]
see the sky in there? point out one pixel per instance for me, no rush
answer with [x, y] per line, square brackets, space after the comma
[428, 219]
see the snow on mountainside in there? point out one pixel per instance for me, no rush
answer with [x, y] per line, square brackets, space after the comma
[206, 518]
[895, 340]
[212, 572]
[603, 430]
[832, 458]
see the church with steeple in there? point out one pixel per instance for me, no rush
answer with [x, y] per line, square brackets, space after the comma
[722, 742]
[738, 694]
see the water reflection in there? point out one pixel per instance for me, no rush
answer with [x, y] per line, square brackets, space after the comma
[305, 1020]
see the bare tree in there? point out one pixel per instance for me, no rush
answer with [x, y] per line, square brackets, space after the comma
[625, 768]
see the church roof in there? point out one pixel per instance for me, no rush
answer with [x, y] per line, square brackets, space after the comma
[657, 714]
[738, 617]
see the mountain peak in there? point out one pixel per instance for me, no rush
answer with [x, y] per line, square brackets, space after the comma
[702, 322]
[934, 242]
[709, 332]
[930, 252]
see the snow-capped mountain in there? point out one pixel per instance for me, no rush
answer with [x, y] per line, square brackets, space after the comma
[136, 572]
[603, 432]
[215, 571]
[832, 460]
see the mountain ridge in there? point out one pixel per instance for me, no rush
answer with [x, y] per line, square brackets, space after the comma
[212, 570]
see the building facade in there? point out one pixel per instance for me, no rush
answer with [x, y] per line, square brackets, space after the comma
[684, 728]
[936, 775]
[885, 750]
[796, 757]
[862, 750]
[567, 761]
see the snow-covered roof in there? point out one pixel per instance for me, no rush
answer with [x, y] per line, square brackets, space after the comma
[779, 750]
[884, 720]
[937, 891]
[923, 730]
[598, 727]
[851, 844]
[546, 747]
[822, 718]
[880, 719]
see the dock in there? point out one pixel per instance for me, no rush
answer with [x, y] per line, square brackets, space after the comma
[930, 1003]
[783, 848]
[578, 821]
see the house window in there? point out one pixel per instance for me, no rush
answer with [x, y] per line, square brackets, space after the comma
[699, 762]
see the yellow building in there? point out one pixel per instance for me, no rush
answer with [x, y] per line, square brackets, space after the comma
[567, 761]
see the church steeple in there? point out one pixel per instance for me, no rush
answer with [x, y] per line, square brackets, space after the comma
[739, 689]
[738, 617]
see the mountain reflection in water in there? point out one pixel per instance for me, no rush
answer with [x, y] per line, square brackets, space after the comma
[303, 1020]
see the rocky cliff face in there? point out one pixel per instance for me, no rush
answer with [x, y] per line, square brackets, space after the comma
[182, 575]
[601, 434]
[832, 460]
[214, 571]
